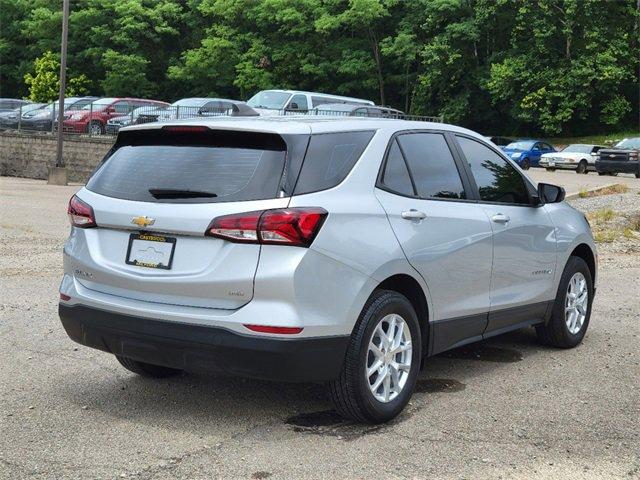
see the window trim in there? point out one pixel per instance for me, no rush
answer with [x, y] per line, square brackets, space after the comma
[530, 188]
[466, 185]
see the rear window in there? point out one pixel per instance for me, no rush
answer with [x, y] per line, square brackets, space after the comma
[222, 168]
[329, 159]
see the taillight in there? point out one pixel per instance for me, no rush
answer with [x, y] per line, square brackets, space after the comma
[80, 213]
[289, 226]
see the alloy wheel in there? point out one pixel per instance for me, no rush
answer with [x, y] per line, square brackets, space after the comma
[576, 303]
[389, 358]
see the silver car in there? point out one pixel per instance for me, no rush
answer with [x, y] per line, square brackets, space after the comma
[340, 250]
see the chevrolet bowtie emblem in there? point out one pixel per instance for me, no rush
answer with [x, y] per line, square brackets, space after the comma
[143, 221]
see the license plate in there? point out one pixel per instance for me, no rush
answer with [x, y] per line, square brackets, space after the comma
[150, 250]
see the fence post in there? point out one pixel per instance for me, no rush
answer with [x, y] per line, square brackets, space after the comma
[53, 118]
[19, 118]
[90, 118]
[177, 112]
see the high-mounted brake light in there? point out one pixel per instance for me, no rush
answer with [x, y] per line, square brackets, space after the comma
[80, 213]
[185, 129]
[269, 329]
[289, 226]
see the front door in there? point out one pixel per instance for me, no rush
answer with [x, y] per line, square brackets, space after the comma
[444, 236]
[524, 241]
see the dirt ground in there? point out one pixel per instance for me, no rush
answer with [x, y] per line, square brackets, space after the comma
[507, 408]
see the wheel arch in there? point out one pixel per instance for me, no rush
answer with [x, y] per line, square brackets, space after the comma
[411, 288]
[585, 252]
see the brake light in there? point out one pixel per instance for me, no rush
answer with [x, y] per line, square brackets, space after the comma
[289, 226]
[80, 213]
[268, 329]
[64, 298]
[185, 129]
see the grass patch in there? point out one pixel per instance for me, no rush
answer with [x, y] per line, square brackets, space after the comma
[601, 216]
[610, 190]
[634, 223]
[605, 236]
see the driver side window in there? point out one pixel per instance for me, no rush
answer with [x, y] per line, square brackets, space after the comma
[497, 180]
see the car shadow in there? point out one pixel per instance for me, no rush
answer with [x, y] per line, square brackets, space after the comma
[201, 404]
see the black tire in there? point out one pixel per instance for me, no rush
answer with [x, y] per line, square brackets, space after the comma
[638, 174]
[350, 392]
[602, 173]
[147, 369]
[555, 332]
[526, 165]
[551, 169]
[95, 125]
[582, 167]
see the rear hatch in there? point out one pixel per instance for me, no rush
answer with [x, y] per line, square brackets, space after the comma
[153, 199]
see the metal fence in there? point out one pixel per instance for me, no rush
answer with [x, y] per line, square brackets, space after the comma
[99, 120]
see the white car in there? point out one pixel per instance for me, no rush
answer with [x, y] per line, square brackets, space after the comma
[579, 157]
[278, 102]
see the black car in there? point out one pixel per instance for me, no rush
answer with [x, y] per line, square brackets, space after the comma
[623, 158]
[44, 118]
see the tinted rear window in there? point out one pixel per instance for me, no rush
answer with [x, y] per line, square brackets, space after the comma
[232, 171]
[329, 159]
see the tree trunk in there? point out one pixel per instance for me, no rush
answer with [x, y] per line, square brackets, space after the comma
[378, 59]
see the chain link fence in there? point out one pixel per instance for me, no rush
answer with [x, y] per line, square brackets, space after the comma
[96, 119]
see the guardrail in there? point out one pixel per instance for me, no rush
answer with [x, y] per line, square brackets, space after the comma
[93, 121]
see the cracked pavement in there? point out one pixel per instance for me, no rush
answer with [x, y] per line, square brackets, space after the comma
[507, 408]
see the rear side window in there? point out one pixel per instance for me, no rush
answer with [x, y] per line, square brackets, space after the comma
[498, 181]
[431, 165]
[396, 176]
[179, 169]
[329, 159]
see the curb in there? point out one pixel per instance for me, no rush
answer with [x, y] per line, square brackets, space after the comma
[573, 196]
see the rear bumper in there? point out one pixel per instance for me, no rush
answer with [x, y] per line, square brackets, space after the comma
[202, 348]
[622, 166]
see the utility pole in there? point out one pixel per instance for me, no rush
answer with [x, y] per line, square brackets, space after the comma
[58, 174]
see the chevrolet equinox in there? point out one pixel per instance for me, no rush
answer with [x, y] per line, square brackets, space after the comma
[305, 249]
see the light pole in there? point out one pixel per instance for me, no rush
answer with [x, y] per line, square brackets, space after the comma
[58, 174]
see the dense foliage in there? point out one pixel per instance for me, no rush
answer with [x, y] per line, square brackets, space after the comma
[500, 66]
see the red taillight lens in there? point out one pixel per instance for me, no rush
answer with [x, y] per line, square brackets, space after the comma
[64, 297]
[290, 226]
[185, 129]
[268, 329]
[80, 213]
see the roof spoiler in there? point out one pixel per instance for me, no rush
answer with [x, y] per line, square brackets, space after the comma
[241, 109]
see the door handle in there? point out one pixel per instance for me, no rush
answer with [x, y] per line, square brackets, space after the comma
[500, 218]
[413, 214]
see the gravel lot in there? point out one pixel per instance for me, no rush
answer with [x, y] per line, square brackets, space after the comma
[507, 408]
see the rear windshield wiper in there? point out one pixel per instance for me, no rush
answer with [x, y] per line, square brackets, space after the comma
[179, 193]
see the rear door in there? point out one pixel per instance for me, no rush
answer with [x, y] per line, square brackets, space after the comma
[153, 200]
[524, 241]
[445, 236]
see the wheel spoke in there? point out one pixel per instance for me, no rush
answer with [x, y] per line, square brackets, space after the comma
[373, 348]
[397, 340]
[378, 382]
[386, 386]
[375, 367]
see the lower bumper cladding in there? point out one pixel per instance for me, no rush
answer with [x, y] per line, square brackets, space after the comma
[205, 349]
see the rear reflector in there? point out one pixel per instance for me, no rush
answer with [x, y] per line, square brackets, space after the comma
[290, 226]
[80, 214]
[280, 330]
[64, 297]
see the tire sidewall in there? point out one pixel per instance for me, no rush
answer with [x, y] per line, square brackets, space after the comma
[393, 303]
[574, 265]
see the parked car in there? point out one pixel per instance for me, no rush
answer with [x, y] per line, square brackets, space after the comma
[579, 157]
[274, 102]
[623, 158]
[8, 104]
[351, 110]
[342, 251]
[11, 118]
[189, 108]
[43, 118]
[527, 153]
[116, 123]
[93, 118]
[500, 141]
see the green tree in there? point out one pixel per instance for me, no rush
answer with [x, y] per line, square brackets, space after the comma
[44, 84]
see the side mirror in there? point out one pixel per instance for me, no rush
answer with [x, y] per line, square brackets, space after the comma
[548, 193]
[293, 106]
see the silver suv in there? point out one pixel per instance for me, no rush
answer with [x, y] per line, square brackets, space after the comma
[315, 249]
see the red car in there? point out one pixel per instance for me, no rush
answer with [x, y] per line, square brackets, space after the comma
[93, 118]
